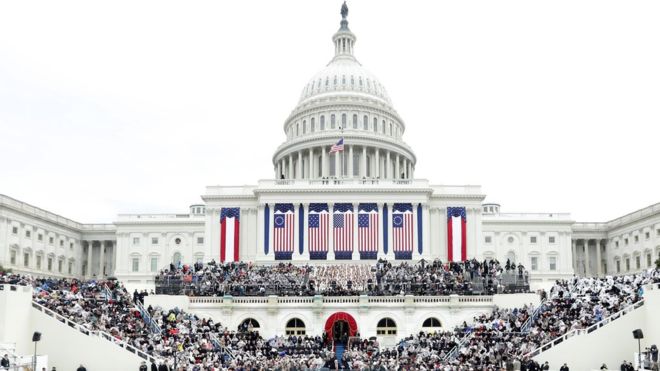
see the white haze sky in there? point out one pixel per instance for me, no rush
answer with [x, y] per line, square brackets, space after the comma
[136, 106]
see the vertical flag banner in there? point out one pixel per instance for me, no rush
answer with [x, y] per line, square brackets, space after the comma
[402, 231]
[266, 228]
[420, 233]
[318, 227]
[283, 231]
[385, 228]
[229, 234]
[456, 234]
[342, 231]
[368, 230]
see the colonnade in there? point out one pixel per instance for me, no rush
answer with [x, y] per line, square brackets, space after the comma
[582, 256]
[104, 266]
[314, 163]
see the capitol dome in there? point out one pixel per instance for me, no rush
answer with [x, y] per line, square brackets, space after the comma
[342, 76]
[345, 104]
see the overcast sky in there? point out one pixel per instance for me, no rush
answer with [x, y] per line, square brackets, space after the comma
[136, 106]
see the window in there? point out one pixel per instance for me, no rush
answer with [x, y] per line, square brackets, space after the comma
[200, 240]
[647, 235]
[12, 258]
[71, 245]
[38, 261]
[382, 128]
[313, 127]
[510, 239]
[26, 259]
[50, 240]
[154, 240]
[489, 239]
[304, 126]
[636, 238]
[28, 234]
[535, 263]
[375, 123]
[176, 259]
[50, 264]
[552, 263]
[343, 120]
[14, 230]
[135, 264]
[154, 264]
[177, 241]
[40, 237]
[365, 123]
[136, 240]
[625, 241]
[355, 120]
[297, 129]
[618, 266]
[638, 262]
[59, 265]
[616, 244]
[386, 326]
[657, 232]
[627, 264]
[648, 260]
[390, 129]
[322, 123]
[551, 239]
[70, 267]
[249, 324]
[532, 239]
[332, 121]
[431, 323]
[295, 326]
[61, 243]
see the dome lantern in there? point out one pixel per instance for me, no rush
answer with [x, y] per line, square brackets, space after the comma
[344, 39]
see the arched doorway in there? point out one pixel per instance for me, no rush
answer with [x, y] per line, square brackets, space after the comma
[340, 326]
[249, 324]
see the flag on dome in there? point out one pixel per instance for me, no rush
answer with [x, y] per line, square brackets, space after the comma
[338, 147]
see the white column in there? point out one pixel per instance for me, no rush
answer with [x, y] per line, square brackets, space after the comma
[350, 161]
[574, 260]
[598, 258]
[363, 170]
[397, 174]
[586, 257]
[388, 170]
[101, 259]
[323, 161]
[90, 245]
[290, 166]
[311, 164]
[305, 255]
[377, 166]
[299, 174]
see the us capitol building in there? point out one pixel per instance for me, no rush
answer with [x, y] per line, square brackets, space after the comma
[343, 190]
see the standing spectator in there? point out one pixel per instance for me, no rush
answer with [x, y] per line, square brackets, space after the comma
[4, 363]
[564, 367]
[81, 368]
[143, 366]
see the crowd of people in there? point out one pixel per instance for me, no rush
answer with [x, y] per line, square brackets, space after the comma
[493, 341]
[382, 278]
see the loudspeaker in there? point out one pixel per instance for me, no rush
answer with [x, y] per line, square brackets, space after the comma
[36, 336]
[638, 334]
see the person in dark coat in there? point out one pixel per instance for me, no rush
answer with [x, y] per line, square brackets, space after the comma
[81, 368]
[162, 367]
[153, 366]
[143, 366]
[564, 367]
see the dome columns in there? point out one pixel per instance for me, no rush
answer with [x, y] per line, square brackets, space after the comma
[356, 161]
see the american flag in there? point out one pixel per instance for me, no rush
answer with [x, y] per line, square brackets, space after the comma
[317, 232]
[338, 147]
[402, 226]
[284, 232]
[368, 232]
[342, 226]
